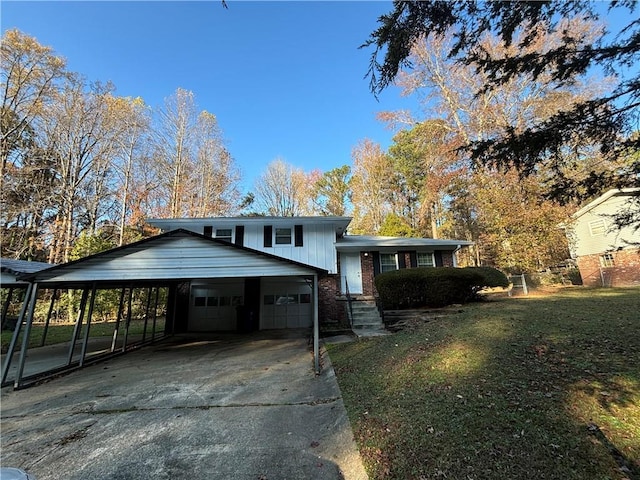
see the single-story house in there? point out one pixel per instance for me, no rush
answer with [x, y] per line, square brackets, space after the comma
[244, 273]
[606, 254]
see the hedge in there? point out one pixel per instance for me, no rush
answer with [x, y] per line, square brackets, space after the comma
[435, 287]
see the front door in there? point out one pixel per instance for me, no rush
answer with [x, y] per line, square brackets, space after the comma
[351, 272]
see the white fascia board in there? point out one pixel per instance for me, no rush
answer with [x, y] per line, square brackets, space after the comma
[603, 198]
[365, 242]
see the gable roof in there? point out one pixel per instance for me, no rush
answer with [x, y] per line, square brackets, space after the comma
[630, 192]
[174, 255]
[16, 267]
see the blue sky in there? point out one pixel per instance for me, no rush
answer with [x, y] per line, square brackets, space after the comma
[285, 79]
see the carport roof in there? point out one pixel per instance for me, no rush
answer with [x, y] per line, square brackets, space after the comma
[175, 255]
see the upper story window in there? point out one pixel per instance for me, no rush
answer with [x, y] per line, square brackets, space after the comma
[283, 236]
[425, 260]
[597, 227]
[223, 234]
[388, 262]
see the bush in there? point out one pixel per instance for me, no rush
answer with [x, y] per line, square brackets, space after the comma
[491, 277]
[431, 287]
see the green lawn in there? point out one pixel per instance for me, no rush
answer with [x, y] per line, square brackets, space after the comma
[513, 388]
[58, 333]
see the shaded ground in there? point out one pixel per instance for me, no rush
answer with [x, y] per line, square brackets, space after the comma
[225, 407]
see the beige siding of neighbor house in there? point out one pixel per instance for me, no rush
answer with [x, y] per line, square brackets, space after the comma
[591, 236]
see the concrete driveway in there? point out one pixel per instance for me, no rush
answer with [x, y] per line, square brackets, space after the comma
[226, 407]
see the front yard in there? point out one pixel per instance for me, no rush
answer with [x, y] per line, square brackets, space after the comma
[513, 388]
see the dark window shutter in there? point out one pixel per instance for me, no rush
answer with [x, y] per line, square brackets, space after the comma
[438, 258]
[413, 256]
[239, 235]
[268, 236]
[402, 262]
[298, 235]
[376, 263]
[208, 231]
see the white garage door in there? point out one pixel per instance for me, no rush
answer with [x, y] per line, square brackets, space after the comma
[286, 303]
[213, 306]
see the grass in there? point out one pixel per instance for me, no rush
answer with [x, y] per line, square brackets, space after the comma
[514, 388]
[59, 333]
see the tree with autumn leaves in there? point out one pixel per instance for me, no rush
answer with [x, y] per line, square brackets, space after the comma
[137, 161]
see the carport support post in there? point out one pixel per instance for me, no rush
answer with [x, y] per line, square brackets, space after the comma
[126, 325]
[5, 307]
[16, 334]
[316, 327]
[155, 315]
[76, 328]
[115, 332]
[25, 336]
[146, 313]
[89, 315]
[46, 323]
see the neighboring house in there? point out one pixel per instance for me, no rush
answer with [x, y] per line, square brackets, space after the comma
[606, 254]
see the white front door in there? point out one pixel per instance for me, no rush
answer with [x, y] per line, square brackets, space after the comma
[351, 272]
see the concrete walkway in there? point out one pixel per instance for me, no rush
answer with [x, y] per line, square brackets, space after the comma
[224, 407]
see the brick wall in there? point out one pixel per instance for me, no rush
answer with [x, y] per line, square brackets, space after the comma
[331, 310]
[447, 259]
[626, 271]
[366, 262]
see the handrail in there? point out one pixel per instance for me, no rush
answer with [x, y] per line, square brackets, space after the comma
[349, 302]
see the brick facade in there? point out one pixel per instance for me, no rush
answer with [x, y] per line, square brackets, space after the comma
[331, 308]
[625, 272]
[366, 263]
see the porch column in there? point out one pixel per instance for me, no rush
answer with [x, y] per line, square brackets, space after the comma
[16, 333]
[25, 336]
[316, 326]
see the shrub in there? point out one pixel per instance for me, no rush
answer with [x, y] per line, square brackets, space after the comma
[491, 277]
[432, 287]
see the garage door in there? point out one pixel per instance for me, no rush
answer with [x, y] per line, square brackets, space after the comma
[286, 303]
[213, 306]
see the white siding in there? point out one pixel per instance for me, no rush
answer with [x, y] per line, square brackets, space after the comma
[317, 250]
[175, 257]
[587, 244]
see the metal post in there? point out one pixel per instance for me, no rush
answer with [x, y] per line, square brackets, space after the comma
[115, 332]
[5, 307]
[126, 326]
[155, 315]
[316, 327]
[76, 328]
[146, 314]
[46, 323]
[16, 334]
[86, 332]
[25, 336]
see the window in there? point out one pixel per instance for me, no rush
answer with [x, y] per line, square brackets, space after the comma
[388, 262]
[607, 260]
[223, 234]
[597, 227]
[425, 260]
[283, 236]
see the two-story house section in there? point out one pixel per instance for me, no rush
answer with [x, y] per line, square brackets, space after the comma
[606, 254]
[350, 261]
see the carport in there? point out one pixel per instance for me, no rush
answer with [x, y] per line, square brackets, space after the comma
[180, 272]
